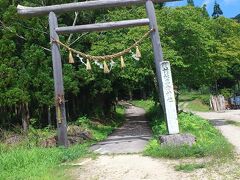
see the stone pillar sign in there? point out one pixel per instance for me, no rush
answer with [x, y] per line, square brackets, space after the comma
[169, 98]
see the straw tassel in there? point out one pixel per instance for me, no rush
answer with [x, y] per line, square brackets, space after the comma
[122, 63]
[105, 67]
[89, 68]
[138, 53]
[71, 60]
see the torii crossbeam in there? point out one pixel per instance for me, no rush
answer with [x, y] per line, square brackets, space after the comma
[163, 71]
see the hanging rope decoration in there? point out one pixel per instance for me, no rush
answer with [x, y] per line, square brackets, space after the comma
[71, 60]
[122, 63]
[88, 65]
[105, 68]
[106, 57]
[138, 53]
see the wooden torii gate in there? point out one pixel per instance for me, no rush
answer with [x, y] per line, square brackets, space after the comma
[163, 70]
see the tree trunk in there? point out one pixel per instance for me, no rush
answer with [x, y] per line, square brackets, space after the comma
[74, 106]
[216, 86]
[49, 116]
[117, 99]
[177, 99]
[25, 117]
[130, 95]
[144, 94]
[68, 109]
[238, 85]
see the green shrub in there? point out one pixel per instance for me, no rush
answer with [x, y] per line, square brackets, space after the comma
[189, 167]
[197, 105]
[226, 92]
[100, 131]
[209, 141]
[28, 161]
[205, 99]
[35, 163]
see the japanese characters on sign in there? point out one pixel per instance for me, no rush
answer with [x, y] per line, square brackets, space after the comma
[167, 82]
[169, 98]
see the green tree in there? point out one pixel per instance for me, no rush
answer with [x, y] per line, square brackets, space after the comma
[26, 67]
[202, 51]
[217, 10]
[224, 54]
[190, 2]
[205, 12]
[161, 5]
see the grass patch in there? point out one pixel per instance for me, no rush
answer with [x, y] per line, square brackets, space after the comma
[195, 101]
[146, 104]
[189, 167]
[197, 105]
[210, 141]
[100, 131]
[233, 123]
[190, 96]
[28, 161]
[36, 162]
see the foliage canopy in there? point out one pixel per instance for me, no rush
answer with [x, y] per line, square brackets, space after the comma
[202, 51]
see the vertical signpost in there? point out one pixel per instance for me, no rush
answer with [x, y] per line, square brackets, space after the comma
[163, 70]
[169, 98]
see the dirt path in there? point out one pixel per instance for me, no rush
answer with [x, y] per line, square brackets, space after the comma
[220, 120]
[131, 167]
[130, 138]
[233, 115]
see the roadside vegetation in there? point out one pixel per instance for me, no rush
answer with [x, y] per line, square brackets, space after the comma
[235, 123]
[194, 101]
[37, 163]
[28, 160]
[203, 52]
[189, 167]
[209, 141]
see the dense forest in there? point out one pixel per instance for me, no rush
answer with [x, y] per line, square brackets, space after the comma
[203, 51]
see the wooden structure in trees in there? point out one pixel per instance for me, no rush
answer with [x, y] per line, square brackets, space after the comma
[218, 103]
[164, 77]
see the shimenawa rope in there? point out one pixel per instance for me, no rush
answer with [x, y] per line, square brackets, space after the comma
[107, 57]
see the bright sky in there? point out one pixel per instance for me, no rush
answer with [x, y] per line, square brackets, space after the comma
[230, 8]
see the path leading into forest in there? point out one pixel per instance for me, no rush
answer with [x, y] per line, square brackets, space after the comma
[222, 120]
[130, 138]
[130, 167]
[118, 159]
